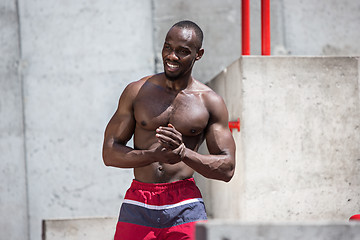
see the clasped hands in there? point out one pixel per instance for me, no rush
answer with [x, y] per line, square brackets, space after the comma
[172, 148]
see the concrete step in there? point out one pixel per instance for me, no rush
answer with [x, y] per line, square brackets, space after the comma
[81, 228]
[228, 230]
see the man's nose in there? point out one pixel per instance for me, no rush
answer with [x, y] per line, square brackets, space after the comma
[172, 55]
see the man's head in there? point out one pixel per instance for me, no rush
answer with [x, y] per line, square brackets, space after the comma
[182, 47]
[186, 24]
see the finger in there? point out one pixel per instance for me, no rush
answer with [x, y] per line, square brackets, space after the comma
[167, 141]
[171, 140]
[177, 151]
[169, 129]
[165, 144]
[170, 132]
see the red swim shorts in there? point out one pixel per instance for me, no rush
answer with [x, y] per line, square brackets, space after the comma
[160, 211]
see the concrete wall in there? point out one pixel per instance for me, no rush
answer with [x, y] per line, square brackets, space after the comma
[68, 63]
[325, 27]
[298, 151]
[76, 60]
[13, 201]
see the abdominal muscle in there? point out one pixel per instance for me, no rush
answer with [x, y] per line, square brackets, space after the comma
[163, 172]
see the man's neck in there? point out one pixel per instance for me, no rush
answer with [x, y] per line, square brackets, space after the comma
[178, 84]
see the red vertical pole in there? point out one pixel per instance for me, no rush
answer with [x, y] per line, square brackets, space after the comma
[265, 28]
[245, 31]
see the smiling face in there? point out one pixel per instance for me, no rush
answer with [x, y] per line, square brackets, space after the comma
[180, 51]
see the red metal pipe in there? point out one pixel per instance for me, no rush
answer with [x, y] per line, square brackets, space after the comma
[355, 217]
[265, 28]
[235, 125]
[245, 24]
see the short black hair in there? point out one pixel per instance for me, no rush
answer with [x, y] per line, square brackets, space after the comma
[191, 25]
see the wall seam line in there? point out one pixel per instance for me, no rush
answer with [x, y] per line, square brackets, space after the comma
[358, 75]
[283, 25]
[155, 59]
[20, 76]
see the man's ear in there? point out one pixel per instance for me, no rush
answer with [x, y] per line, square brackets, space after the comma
[199, 54]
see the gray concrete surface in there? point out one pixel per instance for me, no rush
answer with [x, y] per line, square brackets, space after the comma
[13, 194]
[325, 27]
[297, 28]
[321, 27]
[78, 57]
[220, 230]
[298, 154]
[80, 228]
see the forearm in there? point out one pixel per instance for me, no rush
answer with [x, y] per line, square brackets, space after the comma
[220, 167]
[121, 156]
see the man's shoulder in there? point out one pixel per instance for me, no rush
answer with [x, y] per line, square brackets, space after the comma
[208, 94]
[140, 82]
[201, 87]
[136, 85]
[214, 103]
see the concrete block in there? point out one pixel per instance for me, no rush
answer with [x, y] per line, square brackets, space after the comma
[228, 86]
[225, 230]
[75, 229]
[299, 145]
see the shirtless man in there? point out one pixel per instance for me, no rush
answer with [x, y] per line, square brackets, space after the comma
[170, 114]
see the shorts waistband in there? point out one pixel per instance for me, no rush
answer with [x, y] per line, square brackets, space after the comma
[162, 186]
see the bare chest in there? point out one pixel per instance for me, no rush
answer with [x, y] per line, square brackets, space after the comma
[186, 112]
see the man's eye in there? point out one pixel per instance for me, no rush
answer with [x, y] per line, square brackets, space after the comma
[184, 51]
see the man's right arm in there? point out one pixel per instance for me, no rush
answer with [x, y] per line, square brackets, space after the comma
[120, 130]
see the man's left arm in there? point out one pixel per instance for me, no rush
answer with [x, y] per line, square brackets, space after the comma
[220, 163]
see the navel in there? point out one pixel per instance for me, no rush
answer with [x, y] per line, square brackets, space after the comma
[143, 123]
[160, 168]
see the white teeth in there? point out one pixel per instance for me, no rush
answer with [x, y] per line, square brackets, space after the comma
[172, 65]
